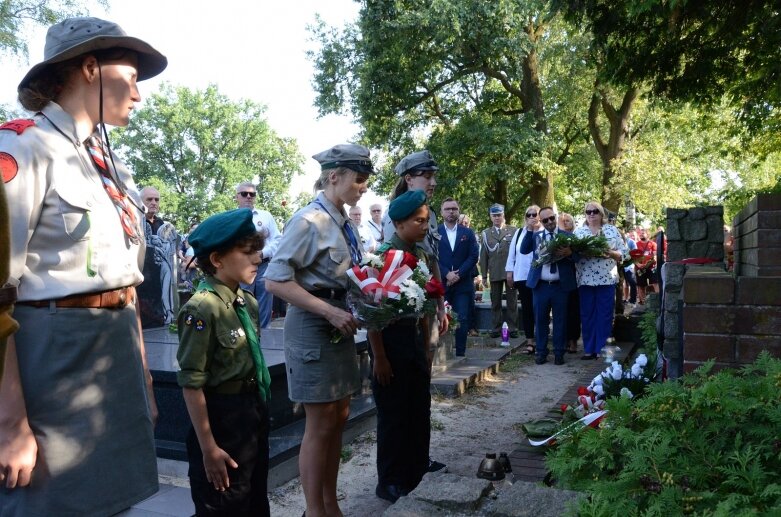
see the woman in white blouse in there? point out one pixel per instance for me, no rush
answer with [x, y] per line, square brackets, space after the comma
[597, 278]
[517, 269]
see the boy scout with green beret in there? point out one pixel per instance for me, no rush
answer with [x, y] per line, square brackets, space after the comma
[401, 369]
[222, 372]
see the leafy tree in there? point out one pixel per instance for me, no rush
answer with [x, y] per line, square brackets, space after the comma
[460, 77]
[195, 146]
[695, 50]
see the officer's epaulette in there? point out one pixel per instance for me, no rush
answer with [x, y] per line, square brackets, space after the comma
[19, 125]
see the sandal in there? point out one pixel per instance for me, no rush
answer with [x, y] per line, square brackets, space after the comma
[530, 349]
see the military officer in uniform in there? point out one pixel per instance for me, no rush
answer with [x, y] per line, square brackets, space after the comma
[494, 248]
[76, 401]
[318, 245]
[223, 373]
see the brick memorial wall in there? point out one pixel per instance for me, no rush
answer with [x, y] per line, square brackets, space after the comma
[728, 316]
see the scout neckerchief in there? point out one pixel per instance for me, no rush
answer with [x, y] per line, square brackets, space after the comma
[261, 371]
[349, 236]
[126, 213]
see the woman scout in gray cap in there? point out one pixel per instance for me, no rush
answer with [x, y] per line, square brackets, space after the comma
[75, 424]
[308, 270]
[223, 373]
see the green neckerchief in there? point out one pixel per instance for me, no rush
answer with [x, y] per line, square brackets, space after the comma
[261, 371]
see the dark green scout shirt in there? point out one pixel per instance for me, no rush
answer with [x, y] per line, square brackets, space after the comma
[213, 347]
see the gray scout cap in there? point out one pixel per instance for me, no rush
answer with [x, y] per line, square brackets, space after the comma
[496, 208]
[353, 156]
[417, 161]
[76, 36]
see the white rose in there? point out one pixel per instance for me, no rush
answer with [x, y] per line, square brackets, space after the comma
[598, 390]
[597, 381]
[617, 374]
[625, 393]
[642, 360]
[636, 370]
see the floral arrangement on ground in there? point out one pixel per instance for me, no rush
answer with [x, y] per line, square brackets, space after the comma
[391, 286]
[589, 246]
[707, 444]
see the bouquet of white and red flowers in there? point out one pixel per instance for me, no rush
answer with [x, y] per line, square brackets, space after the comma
[589, 246]
[390, 287]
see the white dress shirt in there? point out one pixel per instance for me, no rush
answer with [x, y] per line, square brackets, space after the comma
[267, 227]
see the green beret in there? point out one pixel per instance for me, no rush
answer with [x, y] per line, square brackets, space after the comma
[221, 230]
[406, 204]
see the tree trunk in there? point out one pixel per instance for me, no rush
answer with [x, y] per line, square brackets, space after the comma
[618, 121]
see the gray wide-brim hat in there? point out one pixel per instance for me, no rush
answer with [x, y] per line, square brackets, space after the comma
[417, 161]
[76, 36]
[353, 156]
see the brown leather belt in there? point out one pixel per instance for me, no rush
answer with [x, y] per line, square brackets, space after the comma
[114, 299]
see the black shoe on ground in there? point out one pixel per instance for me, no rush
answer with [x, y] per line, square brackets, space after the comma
[588, 357]
[558, 360]
[495, 333]
[540, 360]
[390, 492]
[514, 334]
[436, 466]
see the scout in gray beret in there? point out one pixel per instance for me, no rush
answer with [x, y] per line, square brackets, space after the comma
[76, 36]
[496, 208]
[353, 156]
[417, 161]
[406, 204]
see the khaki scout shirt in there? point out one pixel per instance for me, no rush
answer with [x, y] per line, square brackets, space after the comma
[494, 249]
[213, 347]
[313, 251]
[66, 235]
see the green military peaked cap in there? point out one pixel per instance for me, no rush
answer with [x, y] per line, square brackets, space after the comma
[406, 204]
[220, 230]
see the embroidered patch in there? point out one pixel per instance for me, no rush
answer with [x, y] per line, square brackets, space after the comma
[18, 125]
[8, 167]
[188, 320]
[199, 325]
[240, 301]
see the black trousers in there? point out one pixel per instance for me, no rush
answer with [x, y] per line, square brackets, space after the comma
[527, 308]
[403, 408]
[240, 425]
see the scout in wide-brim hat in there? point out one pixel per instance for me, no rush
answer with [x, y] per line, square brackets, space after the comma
[76, 36]
[352, 156]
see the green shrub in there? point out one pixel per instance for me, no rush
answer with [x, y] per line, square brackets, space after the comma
[705, 445]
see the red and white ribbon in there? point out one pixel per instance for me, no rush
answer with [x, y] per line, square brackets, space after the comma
[590, 420]
[385, 283]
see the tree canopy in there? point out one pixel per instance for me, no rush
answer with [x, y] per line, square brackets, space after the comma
[195, 146]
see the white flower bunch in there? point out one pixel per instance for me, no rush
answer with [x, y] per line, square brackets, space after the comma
[370, 259]
[415, 294]
[617, 381]
[423, 268]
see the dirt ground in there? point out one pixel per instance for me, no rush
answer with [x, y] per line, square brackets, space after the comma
[485, 419]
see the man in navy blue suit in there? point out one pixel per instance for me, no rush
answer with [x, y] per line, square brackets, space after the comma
[550, 284]
[458, 254]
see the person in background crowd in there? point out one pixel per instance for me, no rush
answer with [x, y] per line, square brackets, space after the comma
[401, 370]
[466, 222]
[318, 246]
[551, 284]
[222, 372]
[457, 258]
[77, 408]
[494, 248]
[729, 248]
[567, 223]
[267, 227]
[644, 264]
[630, 286]
[375, 223]
[517, 270]
[367, 240]
[156, 292]
[597, 278]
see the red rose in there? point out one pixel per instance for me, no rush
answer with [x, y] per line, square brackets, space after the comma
[409, 260]
[434, 288]
[564, 408]
[582, 390]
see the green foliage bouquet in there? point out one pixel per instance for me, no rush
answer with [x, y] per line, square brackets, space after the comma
[705, 445]
[589, 246]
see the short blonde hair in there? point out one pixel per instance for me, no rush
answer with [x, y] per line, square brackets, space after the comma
[598, 207]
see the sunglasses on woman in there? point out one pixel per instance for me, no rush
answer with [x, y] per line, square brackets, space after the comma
[592, 212]
[531, 214]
